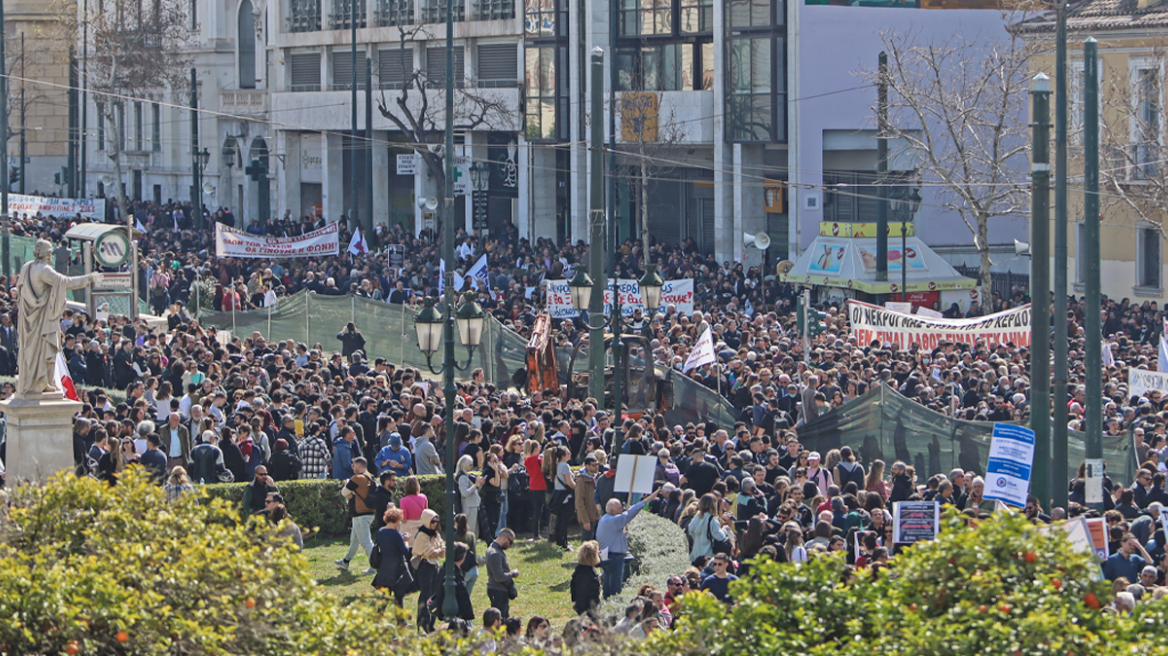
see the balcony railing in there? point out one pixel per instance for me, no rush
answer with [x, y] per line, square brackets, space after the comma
[494, 9]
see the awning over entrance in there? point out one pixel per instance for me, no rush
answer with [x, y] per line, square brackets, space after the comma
[851, 263]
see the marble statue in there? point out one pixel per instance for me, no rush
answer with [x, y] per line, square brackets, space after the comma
[40, 292]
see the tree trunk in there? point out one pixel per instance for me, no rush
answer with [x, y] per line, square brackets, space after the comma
[983, 251]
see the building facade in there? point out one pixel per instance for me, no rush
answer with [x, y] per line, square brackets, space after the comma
[732, 117]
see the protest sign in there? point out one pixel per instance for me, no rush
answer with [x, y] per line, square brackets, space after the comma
[1098, 529]
[1008, 468]
[913, 521]
[230, 242]
[874, 323]
[679, 293]
[90, 208]
[635, 474]
[1142, 381]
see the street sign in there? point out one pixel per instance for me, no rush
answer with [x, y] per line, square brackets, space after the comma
[112, 248]
[407, 164]
[120, 280]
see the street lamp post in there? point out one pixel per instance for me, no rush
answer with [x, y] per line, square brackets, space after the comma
[202, 158]
[434, 327]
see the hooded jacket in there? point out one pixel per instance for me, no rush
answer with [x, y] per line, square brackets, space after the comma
[428, 544]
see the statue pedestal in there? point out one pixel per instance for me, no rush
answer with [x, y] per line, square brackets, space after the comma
[40, 437]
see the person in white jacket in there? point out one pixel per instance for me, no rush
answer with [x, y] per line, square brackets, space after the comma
[468, 488]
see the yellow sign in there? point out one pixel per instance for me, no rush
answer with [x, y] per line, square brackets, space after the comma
[773, 199]
[638, 116]
[868, 230]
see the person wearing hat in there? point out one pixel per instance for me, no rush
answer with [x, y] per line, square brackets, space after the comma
[395, 458]
[818, 475]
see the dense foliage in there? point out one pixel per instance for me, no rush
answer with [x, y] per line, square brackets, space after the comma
[317, 503]
[1002, 587]
[85, 568]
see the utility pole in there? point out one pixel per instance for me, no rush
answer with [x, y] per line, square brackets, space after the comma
[614, 226]
[4, 241]
[1040, 286]
[196, 173]
[1093, 327]
[72, 119]
[370, 235]
[882, 170]
[1059, 448]
[353, 188]
[84, 99]
[617, 323]
[596, 234]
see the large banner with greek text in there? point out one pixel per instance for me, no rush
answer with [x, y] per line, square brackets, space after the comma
[1142, 381]
[90, 208]
[679, 293]
[230, 242]
[874, 323]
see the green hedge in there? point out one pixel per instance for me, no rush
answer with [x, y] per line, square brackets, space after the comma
[660, 549]
[317, 503]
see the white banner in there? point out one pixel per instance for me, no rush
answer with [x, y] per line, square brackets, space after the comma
[90, 208]
[1009, 465]
[874, 323]
[678, 292]
[230, 242]
[1142, 381]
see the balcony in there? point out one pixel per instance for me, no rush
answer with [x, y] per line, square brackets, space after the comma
[243, 101]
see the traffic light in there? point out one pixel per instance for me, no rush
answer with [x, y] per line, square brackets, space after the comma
[14, 177]
[818, 323]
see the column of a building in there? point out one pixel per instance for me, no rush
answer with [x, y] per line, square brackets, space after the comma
[332, 176]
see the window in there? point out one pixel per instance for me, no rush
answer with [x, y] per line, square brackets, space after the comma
[498, 65]
[344, 12]
[436, 67]
[666, 67]
[392, 13]
[193, 13]
[1148, 262]
[247, 46]
[1146, 124]
[305, 16]
[395, 67]
[343, 68]
[494, 9]
[543, 68]
[1077, 90]
[101, 125]
[1080, 253]
[539, 19]
[138, 126]
[756, 75]
[156, 127]
[304, 71]
[851, 196]
[434, 11]
[120, 137]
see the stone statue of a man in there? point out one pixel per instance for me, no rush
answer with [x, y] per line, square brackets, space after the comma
[40, 293]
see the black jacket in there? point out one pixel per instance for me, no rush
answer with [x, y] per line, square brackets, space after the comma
[351, 342]
[285, 466]
[585, 589]
[465, 609]
[233, 460]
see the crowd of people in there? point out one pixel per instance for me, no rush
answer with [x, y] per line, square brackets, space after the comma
[200, 408]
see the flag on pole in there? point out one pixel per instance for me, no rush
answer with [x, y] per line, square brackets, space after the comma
[138, 224]
[1108, 357]
[357, 245]
[1163, 363]
[64, 380]
[478, 274]
[702, 353]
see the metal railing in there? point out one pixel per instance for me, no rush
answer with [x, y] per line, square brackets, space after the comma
[305, 16]
[394, 13]
[341, 17]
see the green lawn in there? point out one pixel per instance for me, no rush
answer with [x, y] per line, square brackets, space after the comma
[544, 575]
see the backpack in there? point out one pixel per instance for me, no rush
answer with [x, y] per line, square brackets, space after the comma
[851, 473]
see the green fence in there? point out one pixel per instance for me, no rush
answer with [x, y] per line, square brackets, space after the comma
[882, 424]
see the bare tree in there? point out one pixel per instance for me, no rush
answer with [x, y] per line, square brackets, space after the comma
[418, 109]
[137, 51]
[959, 107]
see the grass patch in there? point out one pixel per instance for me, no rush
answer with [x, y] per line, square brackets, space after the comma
[544, 575]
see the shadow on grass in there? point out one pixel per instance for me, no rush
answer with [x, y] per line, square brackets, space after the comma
[535, 551]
